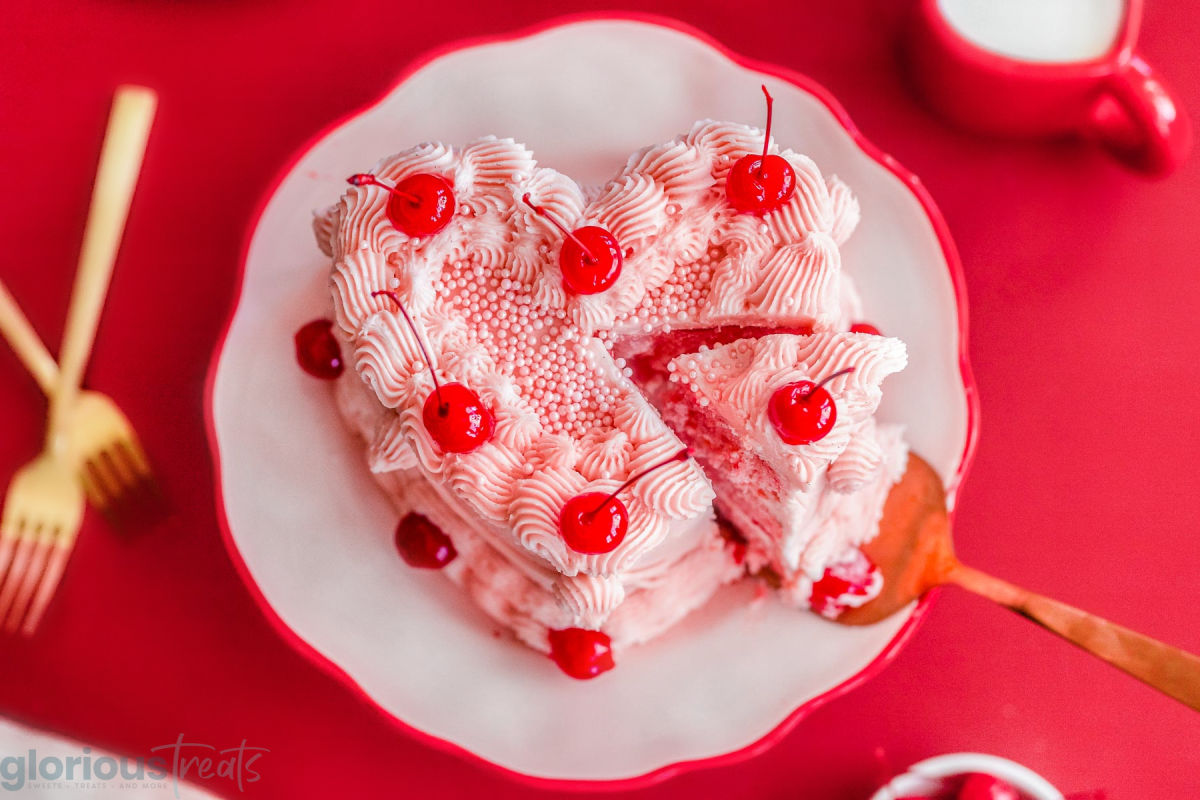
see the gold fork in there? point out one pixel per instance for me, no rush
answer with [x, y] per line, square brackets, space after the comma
[44, 507]
[113, 465]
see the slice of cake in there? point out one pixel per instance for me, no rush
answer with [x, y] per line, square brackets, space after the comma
[568, 393]
[784, 426]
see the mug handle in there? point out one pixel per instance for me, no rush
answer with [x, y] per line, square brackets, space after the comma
[1139, 120]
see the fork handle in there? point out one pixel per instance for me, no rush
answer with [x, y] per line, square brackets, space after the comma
[1172, 671]
[120, 162]
[15, 327]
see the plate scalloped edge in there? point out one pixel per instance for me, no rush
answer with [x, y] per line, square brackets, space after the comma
[907, 178]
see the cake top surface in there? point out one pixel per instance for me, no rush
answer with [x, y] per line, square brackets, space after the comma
[486, 295]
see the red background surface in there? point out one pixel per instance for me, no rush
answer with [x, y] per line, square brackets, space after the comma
[1084, 339]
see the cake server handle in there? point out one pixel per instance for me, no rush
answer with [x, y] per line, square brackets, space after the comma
[1172, 671]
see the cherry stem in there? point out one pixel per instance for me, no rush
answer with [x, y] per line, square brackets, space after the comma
[827, 379]
[682, 455]
[591, 259]
[366, 179]
[767, 135]
[443, 407]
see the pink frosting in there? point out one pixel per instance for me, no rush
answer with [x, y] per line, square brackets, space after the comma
[487, 296]
[831, 492]
[737, 380]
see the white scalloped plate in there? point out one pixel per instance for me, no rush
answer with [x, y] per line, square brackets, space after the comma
[313, 536]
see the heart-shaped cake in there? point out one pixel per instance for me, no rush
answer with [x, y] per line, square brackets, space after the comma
[594, 406]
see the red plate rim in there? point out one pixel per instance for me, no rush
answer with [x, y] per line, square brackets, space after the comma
[777, 733]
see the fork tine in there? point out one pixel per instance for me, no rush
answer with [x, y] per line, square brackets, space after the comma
[123, 467]
[33, 575]
[95, 494]
[8, 543]
[145, 483]
[50, 578]
[103, 478]
[16, 572]
[117, 475]
[108, 476]
[10, 526]
[103, 487]
[132, 448]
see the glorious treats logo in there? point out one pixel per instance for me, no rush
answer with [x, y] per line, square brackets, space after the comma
[167, 766]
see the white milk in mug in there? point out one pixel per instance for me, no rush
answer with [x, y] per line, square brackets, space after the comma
[1048, 31]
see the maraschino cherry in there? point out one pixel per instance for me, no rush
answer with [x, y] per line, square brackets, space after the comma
[317, 350]
[840, 582]
[420, 205]
[981, 786]
[976, 786]
[865, 327]
[595, 522]
[581, 653]
[590, 258]
[803, 412]
[423, 544]
[453, 414]
[760, 184]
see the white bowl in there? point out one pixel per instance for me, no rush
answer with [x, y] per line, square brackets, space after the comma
[311, 534]
[925, 777]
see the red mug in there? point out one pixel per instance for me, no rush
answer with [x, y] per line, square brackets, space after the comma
[1108, 94]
